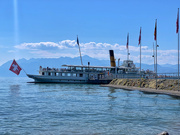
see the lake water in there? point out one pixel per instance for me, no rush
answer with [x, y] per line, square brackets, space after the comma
[55, 109]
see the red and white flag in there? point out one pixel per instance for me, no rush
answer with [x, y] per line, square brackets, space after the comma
[15, 67]
[155, 31]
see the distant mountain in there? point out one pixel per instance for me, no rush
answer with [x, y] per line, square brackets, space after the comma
[161, 68]
[31, 66]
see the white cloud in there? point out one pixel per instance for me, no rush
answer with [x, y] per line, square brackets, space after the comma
[11, 51]
[41, 45]
[46, 54]
[70, 48]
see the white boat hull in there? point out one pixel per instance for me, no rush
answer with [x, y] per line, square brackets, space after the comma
[56, 79]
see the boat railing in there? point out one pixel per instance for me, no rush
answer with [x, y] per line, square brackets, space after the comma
[167, 75]
[151, 76]
[110, 74]
[70, 70]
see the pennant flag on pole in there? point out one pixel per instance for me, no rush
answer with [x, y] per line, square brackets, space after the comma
[177, 22]
[140, 37]
[15, 68]
[155, 32]
[77, 40]
[127, 41]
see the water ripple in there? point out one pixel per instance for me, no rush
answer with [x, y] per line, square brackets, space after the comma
[83, 109]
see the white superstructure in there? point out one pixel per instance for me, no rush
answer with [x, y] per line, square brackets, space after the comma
[88, 74]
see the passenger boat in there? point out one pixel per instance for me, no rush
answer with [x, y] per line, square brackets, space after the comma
[88, 74]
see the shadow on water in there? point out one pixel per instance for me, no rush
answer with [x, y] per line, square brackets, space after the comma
[89, 88]
[175, 97]
[146, 92]
[172, 96]
[142, 103]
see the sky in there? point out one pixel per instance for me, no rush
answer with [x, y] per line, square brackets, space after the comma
[49, 29]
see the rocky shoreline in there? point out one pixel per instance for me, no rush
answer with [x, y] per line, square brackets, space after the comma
[164, 86]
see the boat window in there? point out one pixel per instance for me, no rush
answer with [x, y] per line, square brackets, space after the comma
[80, 75]
[99, 69]
[112, 70]
[63, 74]
[85, 69]
[56, 74]
[74, 75]
[42, 73]
[68, 74]
[78, 68]
[73, 69]
[49, 73]
[89, 69]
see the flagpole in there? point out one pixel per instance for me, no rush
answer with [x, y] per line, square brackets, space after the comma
[140, 49]
[178, 60]
[156, 53]
[154, 58]
[128, 53]
[22, 69]
[140, 57]
[178, 46]
[80, 56]
[140, 52]
[156, 64]
[127, 45]
[79, 50]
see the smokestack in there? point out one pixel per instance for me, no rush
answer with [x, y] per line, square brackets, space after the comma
[112, 60]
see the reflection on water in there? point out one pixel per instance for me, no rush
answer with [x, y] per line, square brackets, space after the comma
[14, 87]
[28, 108]
[111, 94]
[15, 91]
